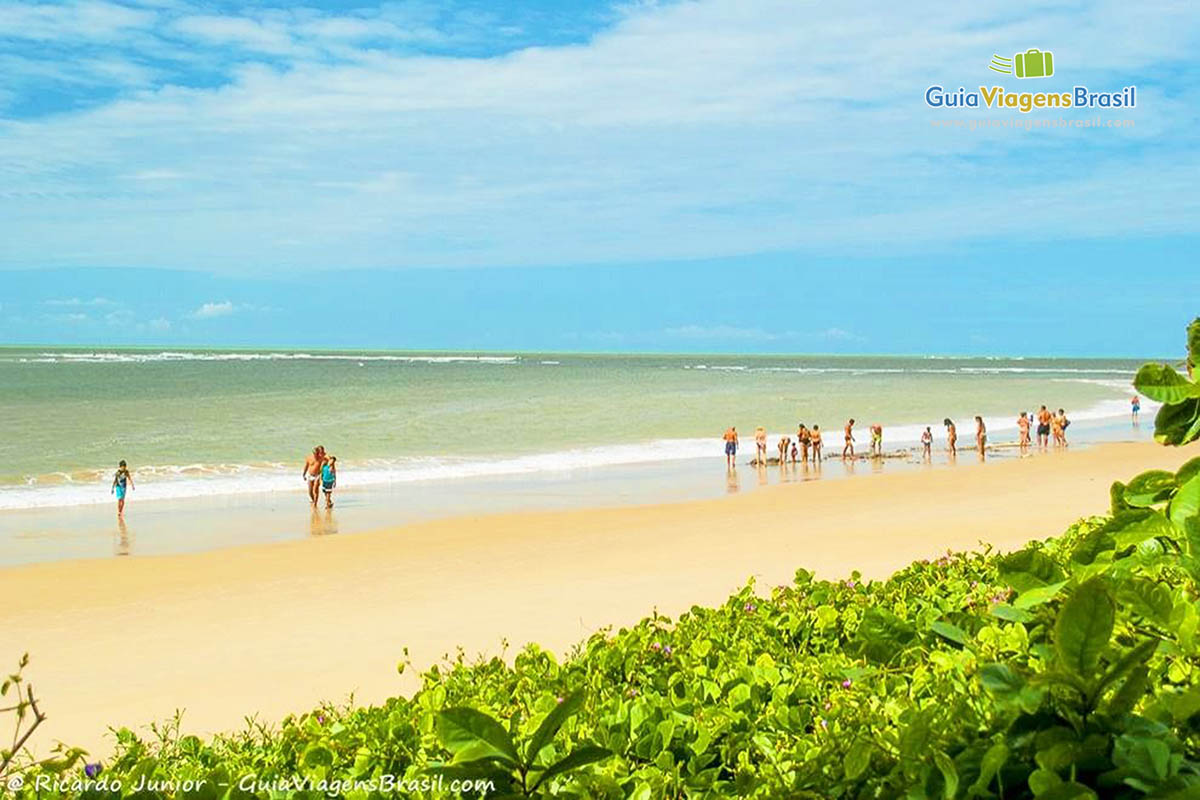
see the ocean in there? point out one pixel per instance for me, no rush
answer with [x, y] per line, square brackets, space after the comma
[195, 423]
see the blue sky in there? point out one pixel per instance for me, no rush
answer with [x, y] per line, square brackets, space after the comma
[716, 175]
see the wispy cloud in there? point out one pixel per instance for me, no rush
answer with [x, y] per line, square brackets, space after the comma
[72, 302]
[213, 310]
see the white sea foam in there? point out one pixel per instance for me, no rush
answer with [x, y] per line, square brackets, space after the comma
[198, 480]
[103, 357]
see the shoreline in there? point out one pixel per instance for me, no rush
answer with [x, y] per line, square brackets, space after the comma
[217, 522]
[294, 623]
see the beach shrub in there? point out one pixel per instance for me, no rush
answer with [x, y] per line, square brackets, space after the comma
[1178, 421]
[1068, 669]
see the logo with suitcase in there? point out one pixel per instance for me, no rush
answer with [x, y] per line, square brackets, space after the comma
[1033, 63]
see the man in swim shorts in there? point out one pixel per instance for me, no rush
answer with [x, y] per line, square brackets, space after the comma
[1043, 429]
[848, 448]
[731, 443]
[312, 472]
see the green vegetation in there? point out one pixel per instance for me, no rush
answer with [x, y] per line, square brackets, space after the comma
[1066, 670]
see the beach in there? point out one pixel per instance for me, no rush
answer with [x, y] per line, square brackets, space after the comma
[269, 629]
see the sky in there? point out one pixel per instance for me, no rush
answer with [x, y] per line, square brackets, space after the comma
[706, 175]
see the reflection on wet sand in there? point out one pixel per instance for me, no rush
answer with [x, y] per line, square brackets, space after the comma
[122, 544]
[732, 485]
[322, 524]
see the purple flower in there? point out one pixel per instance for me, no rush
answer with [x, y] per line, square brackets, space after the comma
[321, 719]
[846, 684]
[667, 650]
[559, 699]
[749, 607]
[655, 646]
[824, 724]
[91, 770]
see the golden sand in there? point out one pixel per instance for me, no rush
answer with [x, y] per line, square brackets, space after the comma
[272, 629]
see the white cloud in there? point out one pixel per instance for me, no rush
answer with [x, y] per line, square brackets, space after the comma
[699, 129]
[71, 302]
[213, 310]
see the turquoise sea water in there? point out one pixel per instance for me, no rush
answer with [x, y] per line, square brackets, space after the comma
[201, 422]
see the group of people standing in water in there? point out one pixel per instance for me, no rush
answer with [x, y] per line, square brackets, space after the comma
[808, 443]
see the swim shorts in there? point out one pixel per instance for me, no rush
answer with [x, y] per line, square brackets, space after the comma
[1043, 430]
[120, 492]
[730, 448]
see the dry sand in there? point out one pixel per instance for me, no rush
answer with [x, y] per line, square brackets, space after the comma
[271, 629]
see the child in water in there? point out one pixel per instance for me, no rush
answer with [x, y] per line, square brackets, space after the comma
[329, 479]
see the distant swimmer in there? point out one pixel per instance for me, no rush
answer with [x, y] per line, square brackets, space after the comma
[312, 472]
[731, 443]
[848, 448]
[951, 436]
[877, 439]
[329, 479]
[122, 481]
[760, 444]
[980, 434]
[1135, 406]
[1043, 428]
[927, 442]
[1023, 423]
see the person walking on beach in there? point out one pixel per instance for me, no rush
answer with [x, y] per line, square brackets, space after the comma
[1043, 429]
[122, 481]
[803, 436]
[1023, 431]
[951, 436]
[877, 440]
[312, 472]
[980, 435]
[1135, 405]
[783, 449]
[329, 479]
[731, 443]
[760, 444]
[927, 442]
[848, 448]
[815, 441]
[1059, 426]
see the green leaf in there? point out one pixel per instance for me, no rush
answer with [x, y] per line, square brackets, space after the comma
[993, 760]
[1148, 598]
[1177, 424]
[1162, 383]
[1029, 568]
[1186, 502]
[1149, 488]
[1149, 759]
[471, 735]
[881, 635]
[1084, 627]
[588, 754]
[948, 631]
[1068, 791]
[550, 725]
[858, 758]
[1001, 680]
[1038, 595]
[1125, 700]
[1193, 343]
[1010, 613]
[949, 774]
[1188, 471]
[1136, 657]
[1134, 527]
